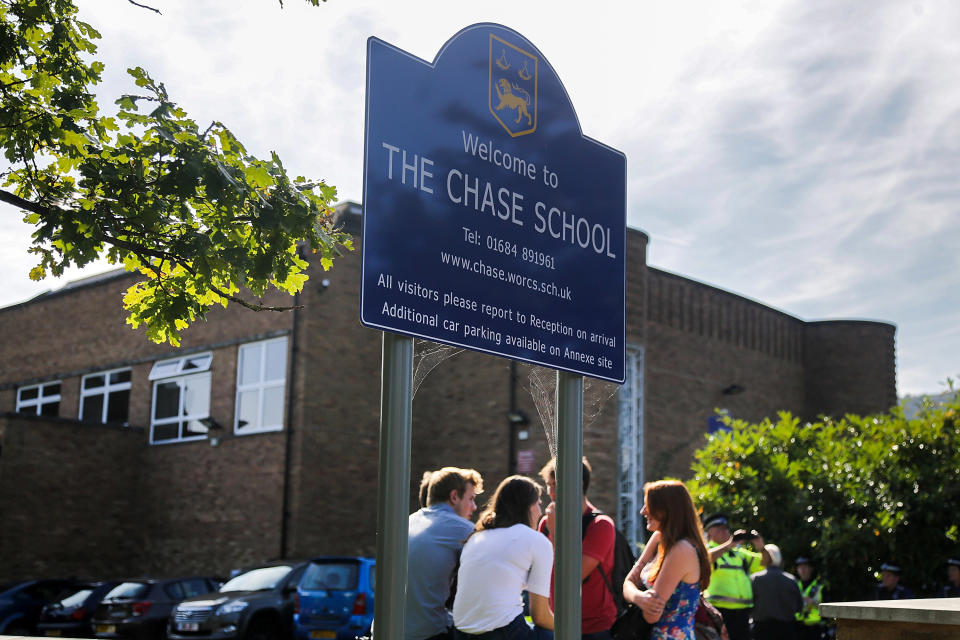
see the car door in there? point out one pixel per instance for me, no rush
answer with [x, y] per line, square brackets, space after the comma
[287, 592]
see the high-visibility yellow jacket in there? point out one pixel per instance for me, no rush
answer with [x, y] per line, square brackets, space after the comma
[811, 612]
[730, 580]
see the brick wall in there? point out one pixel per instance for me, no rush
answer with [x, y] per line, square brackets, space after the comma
[211, 508]
[69, 499]
[701, 341]
[850, 367]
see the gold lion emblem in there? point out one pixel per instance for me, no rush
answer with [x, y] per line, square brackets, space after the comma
[511, 100]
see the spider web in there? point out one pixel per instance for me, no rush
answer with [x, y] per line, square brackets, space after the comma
[426, 357]
[543, 389]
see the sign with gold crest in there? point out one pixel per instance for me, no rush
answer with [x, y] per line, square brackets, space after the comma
[490, 221]
[513, 87]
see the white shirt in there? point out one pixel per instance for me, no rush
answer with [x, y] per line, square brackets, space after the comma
[496, 566]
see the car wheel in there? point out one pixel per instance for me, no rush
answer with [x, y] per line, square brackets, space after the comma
[261, 630]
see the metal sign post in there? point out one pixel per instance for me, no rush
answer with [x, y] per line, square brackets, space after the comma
[568, 547]
[393, 503]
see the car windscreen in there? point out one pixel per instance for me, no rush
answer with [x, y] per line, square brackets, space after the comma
[128, 591]
[331, 575]
[257, 579]
[76, 599]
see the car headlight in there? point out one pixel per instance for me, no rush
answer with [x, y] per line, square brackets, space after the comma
[232, 607]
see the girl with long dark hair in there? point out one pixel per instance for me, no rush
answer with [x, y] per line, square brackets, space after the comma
[679, 571]
[504, 556]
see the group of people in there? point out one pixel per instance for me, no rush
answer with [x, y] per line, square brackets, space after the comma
[466, 581]
[890, 587]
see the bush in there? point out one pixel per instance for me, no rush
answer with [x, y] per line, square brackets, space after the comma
[852, 493]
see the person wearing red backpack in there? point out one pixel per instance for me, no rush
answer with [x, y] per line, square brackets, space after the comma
[598, 607]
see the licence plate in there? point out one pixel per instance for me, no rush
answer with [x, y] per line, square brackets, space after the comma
[188, 626]
[106, 628]
[54, 632]
[321, 633]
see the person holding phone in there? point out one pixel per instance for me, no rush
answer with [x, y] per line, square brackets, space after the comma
[730, 589]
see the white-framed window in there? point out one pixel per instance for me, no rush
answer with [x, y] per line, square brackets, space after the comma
[39, 399]
[105, 396]
[181, 398]
[261, 383]
[175, 366]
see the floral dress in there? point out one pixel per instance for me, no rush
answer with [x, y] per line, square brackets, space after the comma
[676, 622]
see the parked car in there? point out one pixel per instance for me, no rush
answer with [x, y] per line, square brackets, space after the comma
[335, 599]
[21, 603]
[72, 615]
[257, 604]
[139, 608]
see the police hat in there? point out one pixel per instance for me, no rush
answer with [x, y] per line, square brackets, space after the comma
[715, 519]
[954, 561]
[889, 566]
[804, 560]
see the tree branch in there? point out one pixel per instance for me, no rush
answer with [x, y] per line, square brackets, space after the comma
[250, 305]
[17, 201]
[143, 6]
[21, 123]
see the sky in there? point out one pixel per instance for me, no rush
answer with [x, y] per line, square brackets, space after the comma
[801, 153]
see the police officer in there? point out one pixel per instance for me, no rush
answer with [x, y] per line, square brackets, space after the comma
[952, 588]
[889, 587]
[730, 590]
[808, 620]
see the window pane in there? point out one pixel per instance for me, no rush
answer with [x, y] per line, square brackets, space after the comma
[51, 389]
[276, 360]
[248, 409]
[118, 406]
[29, 393]
[166, 431]
[120, 376]
[194, 587]
[174, 591]
[199, 362]
[92, 382]
[168, 400]
[196, 394]
[50, 409]
[194, 428]
[164, 369]
[273, 407]
[92, 408]
[250, 364]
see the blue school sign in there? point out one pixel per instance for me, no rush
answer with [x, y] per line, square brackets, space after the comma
[490, 221]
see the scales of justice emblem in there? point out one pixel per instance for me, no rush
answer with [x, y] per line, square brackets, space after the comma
[513, 87]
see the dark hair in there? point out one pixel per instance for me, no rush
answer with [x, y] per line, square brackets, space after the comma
[669, 502]
[550, 471]
[510, 504]
[443, 481]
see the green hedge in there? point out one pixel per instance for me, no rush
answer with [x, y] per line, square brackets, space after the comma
[853, 493]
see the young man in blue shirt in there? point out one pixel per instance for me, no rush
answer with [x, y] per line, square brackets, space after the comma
[436, 536]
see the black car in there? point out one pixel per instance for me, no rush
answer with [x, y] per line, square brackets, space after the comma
[257, 604]
[138, 608]
[22, 602]
[70, 617]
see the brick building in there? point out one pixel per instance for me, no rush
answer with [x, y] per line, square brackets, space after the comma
[258, 437]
